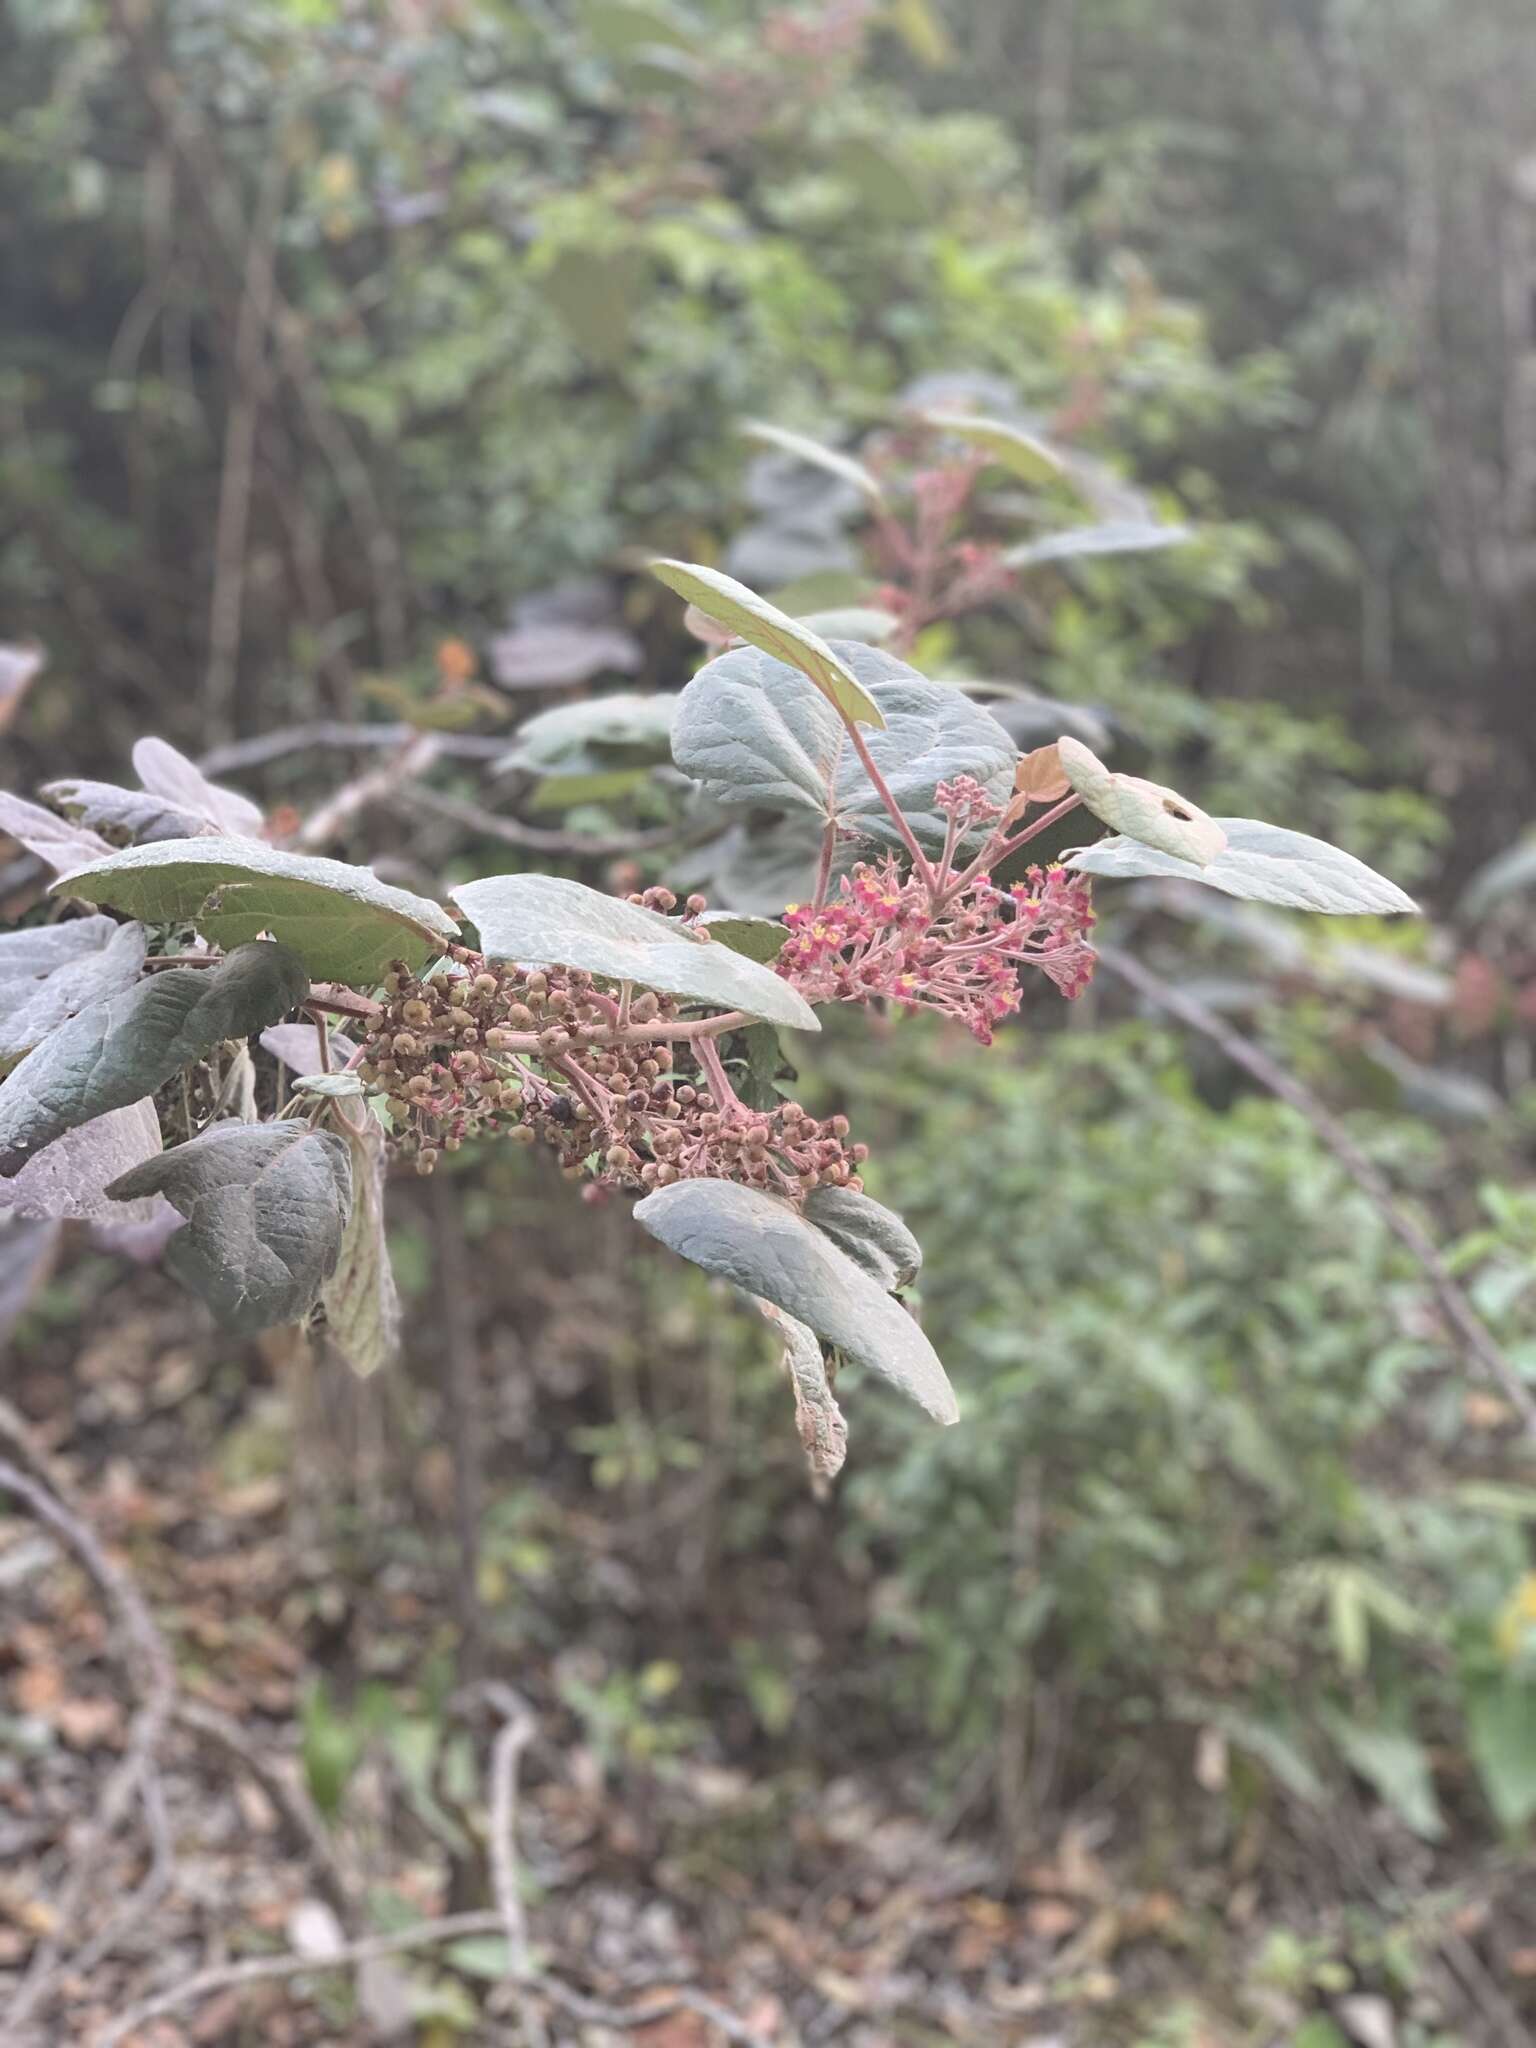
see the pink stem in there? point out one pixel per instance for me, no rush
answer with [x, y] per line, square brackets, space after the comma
[920, 860]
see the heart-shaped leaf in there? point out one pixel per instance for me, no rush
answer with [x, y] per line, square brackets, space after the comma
[1114, 537]
[266, 1208]
[130, 1044]
[761, 624]
[752, 731]
[1144, 811]
[342, 921]
[1265, 864]
[764, 1245]
[873, 1237]
[540, 920]
[49, 973]
[804, 449]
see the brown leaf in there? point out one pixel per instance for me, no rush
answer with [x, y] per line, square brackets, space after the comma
[1039, 778]
[88, 1723]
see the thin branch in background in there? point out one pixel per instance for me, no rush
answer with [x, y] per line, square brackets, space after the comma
[1472, 1336]
[134, 1778]
[283, 740]
[541, 839]
[232, 527]
[377, 786]
[517, 1730]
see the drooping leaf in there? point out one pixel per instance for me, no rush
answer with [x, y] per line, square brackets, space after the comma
[763, 625]
[758, 938]
[540, 920]
[69, 1177]
[804, 449]
[127, 1045]
[1395, 1762]
[752, 732]
[818, 1420]
[138, 813]
[874, 1237]
[59, 842]
[1143, 811]
[362, 1306]
[49, 973]
[1014, 447]
[1114, 537]
[768, 1248]
[756, 1082]
[1264, 864]
[602, 733]
[166, 773]
[342, 921]
[266, 1208]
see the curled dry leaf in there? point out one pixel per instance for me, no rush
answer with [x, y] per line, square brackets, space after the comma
[818, 1419]
[1143, 811]
[1040, 778]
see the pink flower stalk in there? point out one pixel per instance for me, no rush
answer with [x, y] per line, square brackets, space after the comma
[887, 934]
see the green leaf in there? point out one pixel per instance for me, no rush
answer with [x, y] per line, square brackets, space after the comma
[130, 1044]
[1394, 1761]
[874, 1237]
[539, 920]
[764, 1245]
[1143, 811]
[1013, 447]
[565, 792]
[361, 1303]
[756, 938]
[49, 973]
[1501, 1731]
[619, 731]
[342, 921]
[1114, 537]
[763, 1059]
[763, 625]
[1264, 864]
[266, 1208]
[753, 732]
[1505, 875]
[804, 449]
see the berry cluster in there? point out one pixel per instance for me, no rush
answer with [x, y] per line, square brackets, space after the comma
[957, 952]
[485, 1048]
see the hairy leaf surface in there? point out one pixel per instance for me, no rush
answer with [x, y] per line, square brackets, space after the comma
[342, 921]
[129, 1044]
[48, 974]
[873, 1236]
[764, 1245]
[540, 920]
[1265, 864]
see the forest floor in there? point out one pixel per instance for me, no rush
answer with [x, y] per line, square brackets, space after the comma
[200, 1845]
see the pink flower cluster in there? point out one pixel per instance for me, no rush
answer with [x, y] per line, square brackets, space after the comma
[957, 952]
